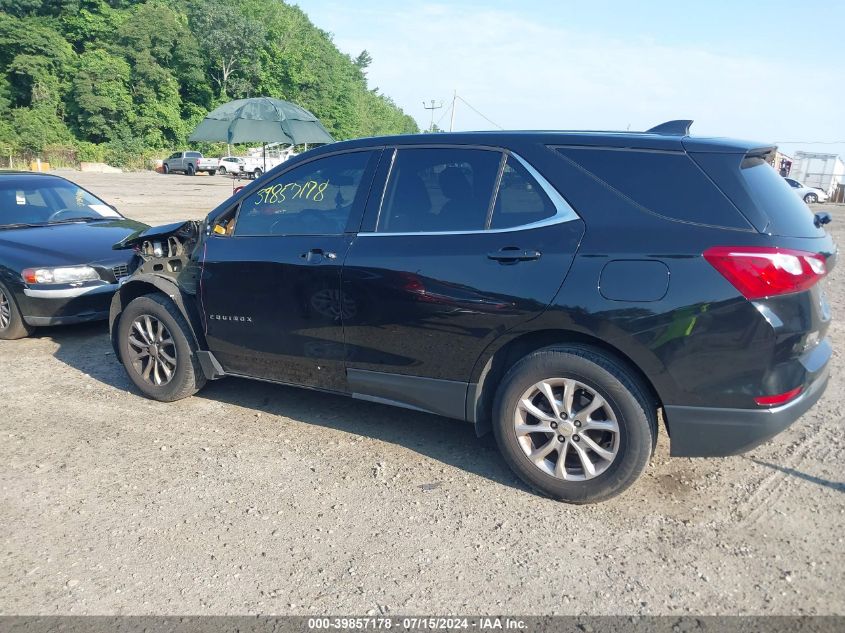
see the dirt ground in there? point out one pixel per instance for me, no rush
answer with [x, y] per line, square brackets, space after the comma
[255, 498]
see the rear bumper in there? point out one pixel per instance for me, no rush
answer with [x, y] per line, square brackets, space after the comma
[717, 432]
[65, 306]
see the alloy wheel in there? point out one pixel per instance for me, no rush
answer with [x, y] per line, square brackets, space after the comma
[5, 311]
[567, 429]
[152, 350]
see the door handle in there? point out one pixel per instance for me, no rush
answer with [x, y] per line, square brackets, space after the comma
[316, 255]
[514, 254]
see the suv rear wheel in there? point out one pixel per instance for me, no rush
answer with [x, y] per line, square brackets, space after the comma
[158, 350]
[573, 423]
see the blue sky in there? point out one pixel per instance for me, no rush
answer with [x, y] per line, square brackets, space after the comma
[769, 71]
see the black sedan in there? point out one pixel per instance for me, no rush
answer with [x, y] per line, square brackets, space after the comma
[57, 265]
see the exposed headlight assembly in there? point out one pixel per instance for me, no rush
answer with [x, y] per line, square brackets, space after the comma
[61, 275]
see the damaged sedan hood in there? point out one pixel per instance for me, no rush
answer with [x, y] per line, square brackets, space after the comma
[184, 230]
[65, 244]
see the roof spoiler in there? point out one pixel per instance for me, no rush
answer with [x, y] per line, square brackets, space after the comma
[679, 127]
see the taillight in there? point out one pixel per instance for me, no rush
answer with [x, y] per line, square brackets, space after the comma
[759, 272]
[781, 398]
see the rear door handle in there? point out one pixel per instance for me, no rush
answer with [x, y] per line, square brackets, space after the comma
[513, 254]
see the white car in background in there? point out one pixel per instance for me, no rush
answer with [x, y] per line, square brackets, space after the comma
[229, 165]
[809, 195]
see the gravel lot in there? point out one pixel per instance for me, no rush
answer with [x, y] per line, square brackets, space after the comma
[254, 498]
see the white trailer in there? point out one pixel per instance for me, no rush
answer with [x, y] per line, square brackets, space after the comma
[825, 171]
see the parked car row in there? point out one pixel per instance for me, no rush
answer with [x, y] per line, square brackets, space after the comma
[192, 163]
[554, 288]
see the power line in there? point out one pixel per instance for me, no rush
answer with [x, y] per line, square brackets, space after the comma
[443, 116]
[478, 113]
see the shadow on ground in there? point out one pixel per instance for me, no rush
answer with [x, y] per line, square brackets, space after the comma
[827, 483]
[87, 349]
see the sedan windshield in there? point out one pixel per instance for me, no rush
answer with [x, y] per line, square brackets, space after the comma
[38, 201]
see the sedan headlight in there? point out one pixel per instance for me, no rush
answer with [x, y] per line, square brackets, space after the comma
[62, 275]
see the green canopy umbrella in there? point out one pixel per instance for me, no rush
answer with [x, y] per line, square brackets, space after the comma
[261, 119]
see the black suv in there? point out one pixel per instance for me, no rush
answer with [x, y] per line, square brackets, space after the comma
[559, 288]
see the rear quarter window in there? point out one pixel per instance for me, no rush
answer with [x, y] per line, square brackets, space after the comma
[665, 183]
[787, 213]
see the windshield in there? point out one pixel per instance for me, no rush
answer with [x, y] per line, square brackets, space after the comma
[38, 200]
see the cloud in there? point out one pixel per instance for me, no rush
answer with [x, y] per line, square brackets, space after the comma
[524, 73]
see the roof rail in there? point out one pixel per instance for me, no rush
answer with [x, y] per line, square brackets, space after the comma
[679, 127]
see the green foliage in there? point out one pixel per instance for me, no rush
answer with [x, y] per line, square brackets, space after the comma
[128, 80]
[90, 152]
[101, 106]
[35, 129]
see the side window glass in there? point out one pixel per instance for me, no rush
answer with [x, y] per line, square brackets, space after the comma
[520, 199]
[440, 189]
[313, 199]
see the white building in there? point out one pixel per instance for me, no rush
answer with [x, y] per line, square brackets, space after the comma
[826, 171]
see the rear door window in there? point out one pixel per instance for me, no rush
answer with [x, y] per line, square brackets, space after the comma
[435, 190]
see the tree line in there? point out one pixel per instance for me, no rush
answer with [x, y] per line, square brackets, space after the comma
[125, 80]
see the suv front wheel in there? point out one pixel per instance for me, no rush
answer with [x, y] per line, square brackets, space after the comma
[574, 423]
[158, 350]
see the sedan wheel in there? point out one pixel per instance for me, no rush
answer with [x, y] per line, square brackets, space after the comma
[12, 325]
[222, 171]
[152, 350]
[811, 198]
[566, 429]
[5, 311]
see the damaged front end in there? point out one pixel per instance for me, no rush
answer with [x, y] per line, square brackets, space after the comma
[168, 261]
[166, 251]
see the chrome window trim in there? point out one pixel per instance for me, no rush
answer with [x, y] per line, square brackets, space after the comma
[565, 213]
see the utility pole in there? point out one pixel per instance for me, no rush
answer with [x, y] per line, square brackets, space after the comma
[432, 107]
[454, 103]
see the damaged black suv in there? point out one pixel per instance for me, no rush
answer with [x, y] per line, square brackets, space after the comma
[557, 288]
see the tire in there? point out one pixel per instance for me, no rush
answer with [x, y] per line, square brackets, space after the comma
[624, 405]
[222, 171]
[12, 325]
[189, 171]
[257, 173]
[811, 198]
[186, 377]
[165, 168]
[211, 172]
